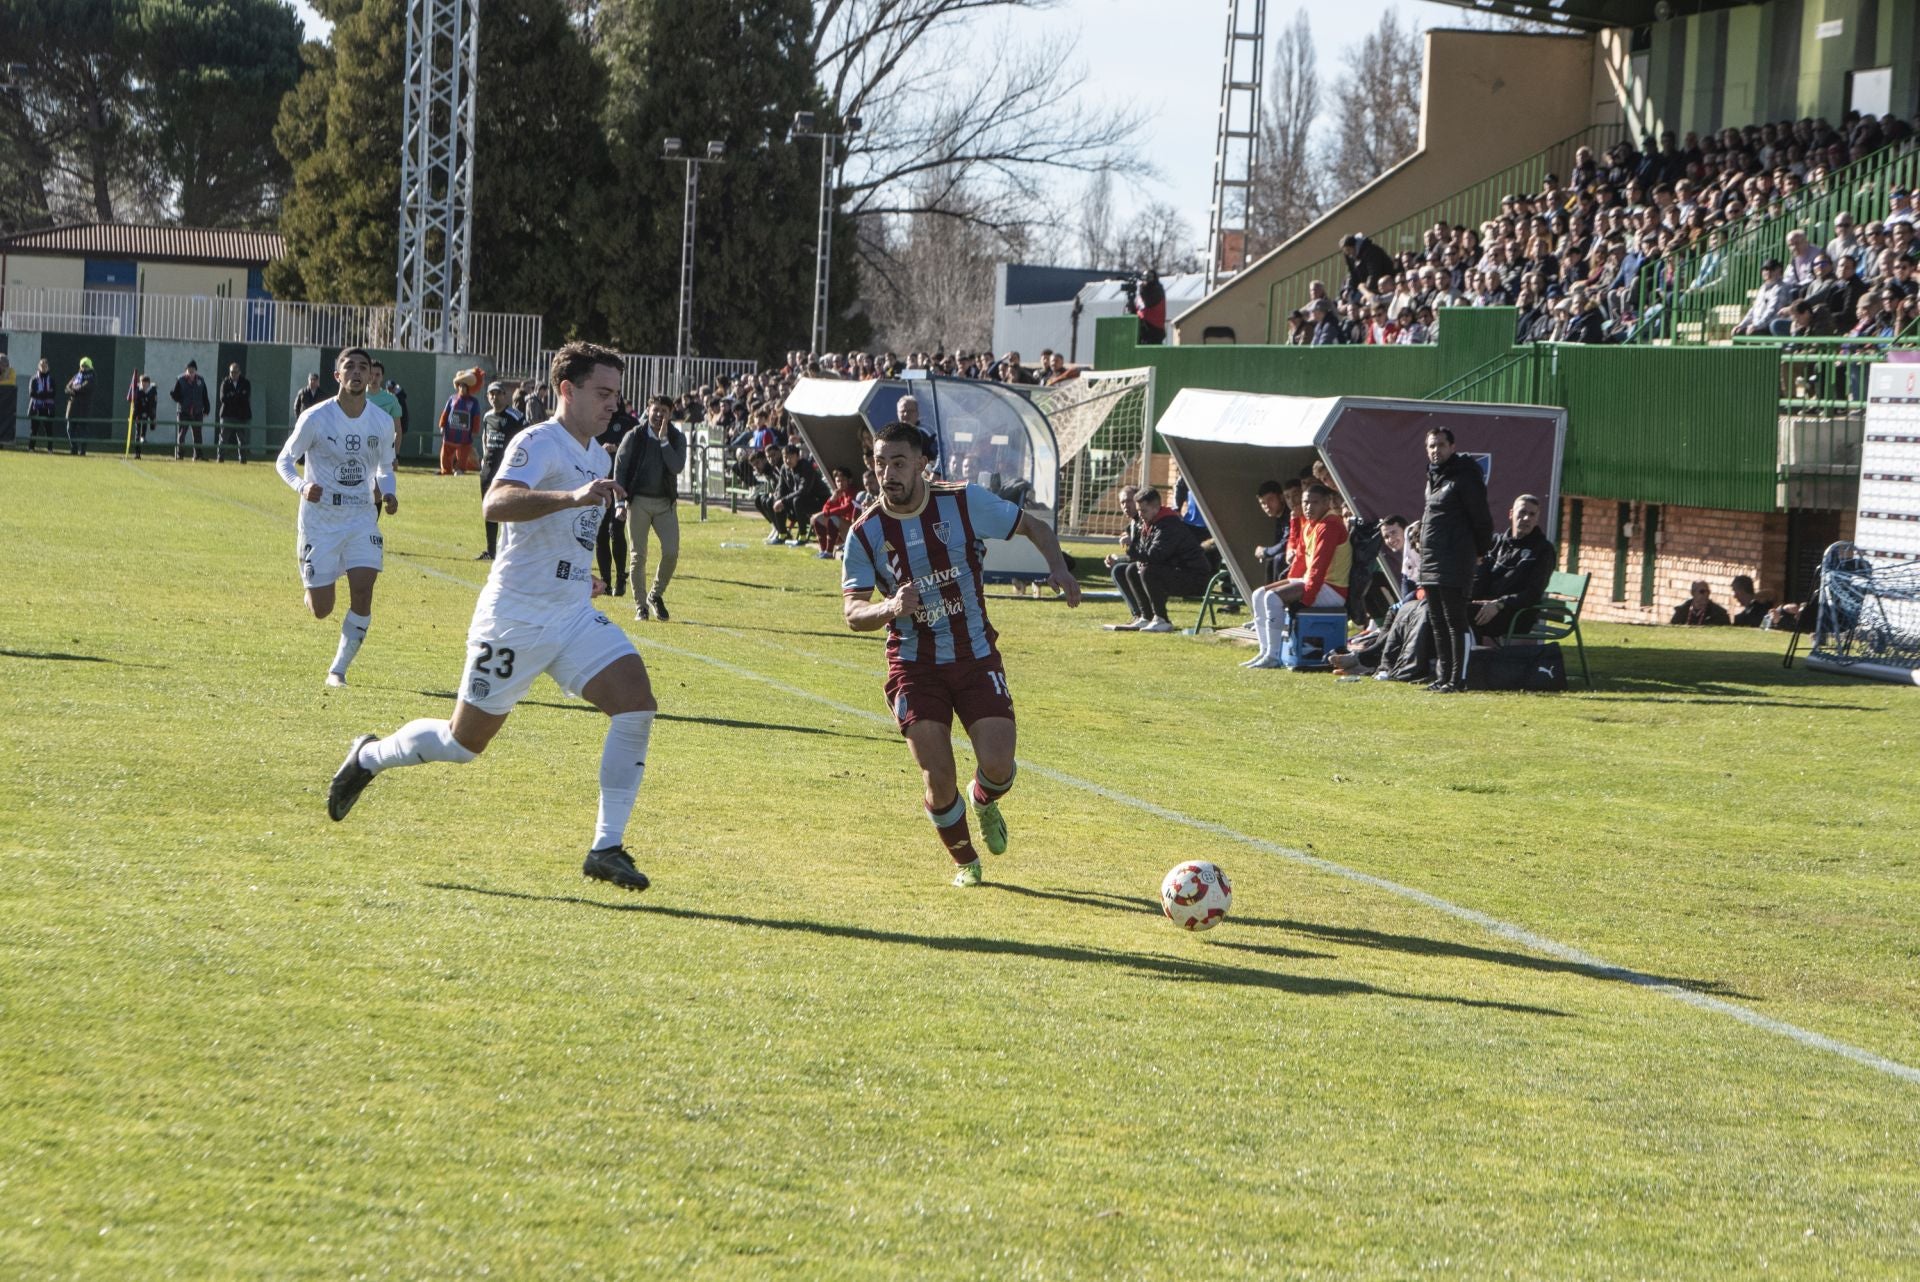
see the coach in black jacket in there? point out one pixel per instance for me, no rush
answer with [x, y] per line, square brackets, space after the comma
[1514, 575]
[1456, 530]
[1168, 561]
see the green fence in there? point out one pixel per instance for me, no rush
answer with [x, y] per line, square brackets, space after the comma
[109, 435]
[1468, 207]
[1822, 390]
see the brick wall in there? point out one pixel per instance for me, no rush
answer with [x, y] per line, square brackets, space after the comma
[1692, 543]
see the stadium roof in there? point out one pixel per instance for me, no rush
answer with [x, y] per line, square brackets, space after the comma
[1593, 15]
[151, 244]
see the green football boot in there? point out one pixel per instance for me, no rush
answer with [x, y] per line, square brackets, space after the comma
[969, 874]
[993, 826]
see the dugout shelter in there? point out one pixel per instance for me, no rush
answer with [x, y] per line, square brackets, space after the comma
[1226, 443]
[984, 433]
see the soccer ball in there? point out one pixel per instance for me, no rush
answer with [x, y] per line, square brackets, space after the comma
[1196, 896]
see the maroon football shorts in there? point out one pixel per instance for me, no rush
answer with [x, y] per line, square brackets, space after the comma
[973, 688]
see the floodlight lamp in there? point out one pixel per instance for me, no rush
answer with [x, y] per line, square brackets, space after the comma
[672, 146]
[803, 122]
[715, 150]
[853, 124]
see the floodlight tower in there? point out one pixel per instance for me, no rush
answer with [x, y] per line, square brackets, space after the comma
[436, 174]
[674, 149]
[806, 126]
[1236, 147]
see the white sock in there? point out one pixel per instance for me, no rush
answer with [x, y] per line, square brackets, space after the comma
[416, 743]
[623, 763]
[353, 630]
[1271, 611]
[1257, 606]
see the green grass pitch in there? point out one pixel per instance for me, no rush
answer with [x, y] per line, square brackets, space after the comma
[239, 1040]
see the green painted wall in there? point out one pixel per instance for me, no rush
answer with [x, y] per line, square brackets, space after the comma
[1763, 62]
[1691, 426]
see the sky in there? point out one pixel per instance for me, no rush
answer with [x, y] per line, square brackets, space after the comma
[1164, 56]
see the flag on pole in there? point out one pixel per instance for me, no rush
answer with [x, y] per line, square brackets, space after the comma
[133, 385]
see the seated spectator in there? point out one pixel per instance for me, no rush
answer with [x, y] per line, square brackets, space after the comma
[1754, 608]
[1326, 328]
[1399, 538]
[1317, 581]
[1366, 539]
[802, 493]
[766, 493]
[1272, 497]
[1700, 610]
[1170, 562]
[1129, 552]
[1513, 576]
[837, 515]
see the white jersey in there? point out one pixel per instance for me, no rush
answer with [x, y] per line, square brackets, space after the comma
[349, 458]
[544, 569]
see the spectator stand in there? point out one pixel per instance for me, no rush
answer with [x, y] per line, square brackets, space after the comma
[988, 434]
[1226, 443]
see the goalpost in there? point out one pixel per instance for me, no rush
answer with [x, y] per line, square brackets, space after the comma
[1103, 425]
[1867, 616]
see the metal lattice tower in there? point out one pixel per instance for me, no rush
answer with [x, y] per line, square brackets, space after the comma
[1236, 149]
[436, 175]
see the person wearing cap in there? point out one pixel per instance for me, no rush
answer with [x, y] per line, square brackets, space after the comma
[1900, 210]
[1769, 302]
[499, 425]
[79, 405]
[190, 394]
[236, 411]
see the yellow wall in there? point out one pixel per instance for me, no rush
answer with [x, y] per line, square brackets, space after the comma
[1490, 100]
[194, 279]
[32, 270]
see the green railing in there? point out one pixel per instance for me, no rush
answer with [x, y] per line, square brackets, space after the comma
[1507, 380]
[1716, 285]
[1468, 207]
[1823, 406]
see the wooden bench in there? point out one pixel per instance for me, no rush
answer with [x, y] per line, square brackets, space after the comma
[1557, 617]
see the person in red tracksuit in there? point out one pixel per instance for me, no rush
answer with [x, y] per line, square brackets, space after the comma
[839, 513]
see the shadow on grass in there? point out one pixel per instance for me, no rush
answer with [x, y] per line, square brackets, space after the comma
[738, 583]
[57, 656]
[1146, 964]
[1417, 945]
[723, 723]
[1656, 673]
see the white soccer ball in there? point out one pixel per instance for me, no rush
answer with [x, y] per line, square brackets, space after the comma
[1196, 896]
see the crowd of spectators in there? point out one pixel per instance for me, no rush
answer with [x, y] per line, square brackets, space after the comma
[1594, 255]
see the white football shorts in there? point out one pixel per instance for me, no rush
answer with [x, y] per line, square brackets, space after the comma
[326, 554]
[505, 655]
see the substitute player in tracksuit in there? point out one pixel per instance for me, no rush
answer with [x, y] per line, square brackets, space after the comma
[349, 450]
[923, 545]
[499, 425]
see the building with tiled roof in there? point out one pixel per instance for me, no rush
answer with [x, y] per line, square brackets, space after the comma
[128, 258]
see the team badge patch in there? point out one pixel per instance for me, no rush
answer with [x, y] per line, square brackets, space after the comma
[479, 687]
[518, 458]
[586, 527]
[943, 530]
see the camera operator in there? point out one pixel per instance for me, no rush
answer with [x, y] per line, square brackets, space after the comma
[1148, 301]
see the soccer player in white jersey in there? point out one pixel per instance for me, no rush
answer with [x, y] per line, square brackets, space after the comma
[349, 450]
[536, 615]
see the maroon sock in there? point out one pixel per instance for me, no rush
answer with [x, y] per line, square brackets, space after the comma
[986, 790]
[951, 824]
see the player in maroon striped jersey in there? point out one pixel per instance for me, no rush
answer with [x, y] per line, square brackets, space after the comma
[922, 545]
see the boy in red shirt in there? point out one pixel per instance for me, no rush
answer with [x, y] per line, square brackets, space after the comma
[1316, 578]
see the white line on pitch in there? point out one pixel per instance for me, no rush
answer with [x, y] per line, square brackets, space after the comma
[1596, 966]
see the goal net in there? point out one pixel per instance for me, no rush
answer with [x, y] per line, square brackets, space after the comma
[1867, 616]
[1100, 424]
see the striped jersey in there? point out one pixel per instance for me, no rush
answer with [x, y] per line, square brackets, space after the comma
[940, 547]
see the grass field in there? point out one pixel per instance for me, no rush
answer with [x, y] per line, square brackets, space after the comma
[237, 1039]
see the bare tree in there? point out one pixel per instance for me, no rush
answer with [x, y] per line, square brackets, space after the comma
[931, 130]
[1158, 237]
[1095, 230]
[927, 276]
[1376, 106]
[1288, 186]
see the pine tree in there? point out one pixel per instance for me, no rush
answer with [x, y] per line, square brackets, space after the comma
[732, 71]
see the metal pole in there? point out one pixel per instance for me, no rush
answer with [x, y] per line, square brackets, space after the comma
[825, 242]
[686, 275]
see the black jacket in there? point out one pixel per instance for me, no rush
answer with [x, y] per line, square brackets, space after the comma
[236, 401]
[1173, 544]
[190, 394]
[802, 487]
[1368, 264]
[646, 466]
[1456, 528]
[1515, 572]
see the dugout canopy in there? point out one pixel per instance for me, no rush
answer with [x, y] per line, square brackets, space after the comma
[1227, 443]
[984, 432]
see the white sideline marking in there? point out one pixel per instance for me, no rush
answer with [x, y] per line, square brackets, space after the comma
[1525, 938]
[1493, 925]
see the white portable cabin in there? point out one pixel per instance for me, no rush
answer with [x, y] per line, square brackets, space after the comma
[1227, 443]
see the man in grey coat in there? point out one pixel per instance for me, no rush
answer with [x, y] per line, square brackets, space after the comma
[648, 467]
